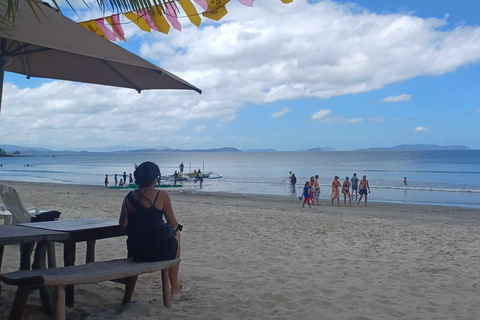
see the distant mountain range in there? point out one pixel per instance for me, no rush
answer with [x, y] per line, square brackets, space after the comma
[122, 148]
[417, 147]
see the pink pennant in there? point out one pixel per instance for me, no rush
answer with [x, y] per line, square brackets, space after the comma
[117, 27]
[171, 14]
[203, 4]
[248, 3]
[146, 16]
[107, 32]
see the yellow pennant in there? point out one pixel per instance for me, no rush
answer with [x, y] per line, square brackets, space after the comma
[216, 9]
[93, 26]
[140, 22]
[159, 19]
[191, 12]
[287, 1]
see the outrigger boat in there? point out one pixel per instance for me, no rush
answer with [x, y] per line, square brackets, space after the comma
[193, 176]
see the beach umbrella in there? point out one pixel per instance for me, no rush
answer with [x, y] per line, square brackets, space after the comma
[49, 45]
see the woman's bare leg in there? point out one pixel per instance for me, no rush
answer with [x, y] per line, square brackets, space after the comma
[173, 272]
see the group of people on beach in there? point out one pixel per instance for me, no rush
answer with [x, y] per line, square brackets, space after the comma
[122, 182]
[311, 190]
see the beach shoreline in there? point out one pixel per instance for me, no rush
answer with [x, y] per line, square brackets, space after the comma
[266, 257]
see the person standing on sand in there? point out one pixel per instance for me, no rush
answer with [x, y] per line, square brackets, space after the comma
[116, 180]
[124, 177]
[346, 192]
[130, 178]
[405, 183]
[175, 177]
[335, 193]
[355, 185]
[363, 190]
[312, 189]
[306, 195]
[317, 189]
[106, 181]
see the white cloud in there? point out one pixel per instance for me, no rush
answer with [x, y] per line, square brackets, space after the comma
[400, 98]
[253, 56]
[280, 113]
[421, 129]
[199, 128]
[322, 114]
[377, 119]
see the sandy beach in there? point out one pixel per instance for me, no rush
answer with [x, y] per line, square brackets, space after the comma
[266, 257]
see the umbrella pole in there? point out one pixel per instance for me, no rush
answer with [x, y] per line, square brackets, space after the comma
[2, 73]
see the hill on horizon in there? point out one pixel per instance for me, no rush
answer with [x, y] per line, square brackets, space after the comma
[417, 147]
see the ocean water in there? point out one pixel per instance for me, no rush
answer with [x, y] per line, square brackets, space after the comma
[434, 177]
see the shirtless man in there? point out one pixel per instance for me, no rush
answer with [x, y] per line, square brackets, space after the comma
[363, 190]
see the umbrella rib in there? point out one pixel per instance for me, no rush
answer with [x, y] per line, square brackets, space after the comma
[24, 53]
[20, 48]
[121, 75]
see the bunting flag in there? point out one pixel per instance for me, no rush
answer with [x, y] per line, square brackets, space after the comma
[249, 3]
[106, 32]
[160, 21]
[191, 12]
[156, 17]
[114, 22]
[140, 22]
[216, 9]
[171, 13]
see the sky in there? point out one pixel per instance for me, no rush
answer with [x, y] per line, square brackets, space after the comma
[336, 74]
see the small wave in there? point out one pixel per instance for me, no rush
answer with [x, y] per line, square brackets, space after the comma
[428, 189]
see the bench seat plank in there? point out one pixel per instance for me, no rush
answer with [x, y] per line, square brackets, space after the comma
[84, 274]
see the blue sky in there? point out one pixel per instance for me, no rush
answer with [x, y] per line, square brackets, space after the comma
[343, 74]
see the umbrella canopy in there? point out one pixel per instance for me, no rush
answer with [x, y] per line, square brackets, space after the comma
[58, 48]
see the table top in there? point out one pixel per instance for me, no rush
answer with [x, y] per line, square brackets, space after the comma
[82, 229]
[17, 235]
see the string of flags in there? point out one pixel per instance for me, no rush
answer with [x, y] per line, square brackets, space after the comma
[162, 19]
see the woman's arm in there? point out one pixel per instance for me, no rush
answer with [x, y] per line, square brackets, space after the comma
[169, 215]
[123, 220]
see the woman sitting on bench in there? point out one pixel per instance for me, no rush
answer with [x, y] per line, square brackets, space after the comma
[149, 237]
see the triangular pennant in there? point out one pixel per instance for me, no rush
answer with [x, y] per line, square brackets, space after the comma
[171, 13]
[114, 22]
[248, 3]
[216, 9]
[93, 26]
[160, 21]
[202, 3]
[140, 22]
[191, 12]
[146, 16]
[107, 32]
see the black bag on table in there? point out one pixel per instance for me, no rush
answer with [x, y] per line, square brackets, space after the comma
[46, 216]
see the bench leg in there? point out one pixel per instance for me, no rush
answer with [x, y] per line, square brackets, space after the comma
[1, 260]
[167, 293]
[69, 249]
[19, 303]
[52, 259]
[59, 303]
[90, 251]
[129, 289]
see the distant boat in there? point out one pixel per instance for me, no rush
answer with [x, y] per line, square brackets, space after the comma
[193, 176]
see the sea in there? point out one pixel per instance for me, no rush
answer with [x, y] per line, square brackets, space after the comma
[447, 178]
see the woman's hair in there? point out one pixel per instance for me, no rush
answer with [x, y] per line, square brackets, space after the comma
[307, 183]
[146, 173]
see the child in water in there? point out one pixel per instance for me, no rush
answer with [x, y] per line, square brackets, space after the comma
[306, 195]
[121, 183]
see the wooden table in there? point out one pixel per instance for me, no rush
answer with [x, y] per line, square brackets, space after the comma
[26, 238]
[79, 230]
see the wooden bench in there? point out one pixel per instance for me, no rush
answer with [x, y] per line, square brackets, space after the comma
[94, 272]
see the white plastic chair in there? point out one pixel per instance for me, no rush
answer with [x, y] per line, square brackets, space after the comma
[21, 214]
[11, 200]
[5, 215]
